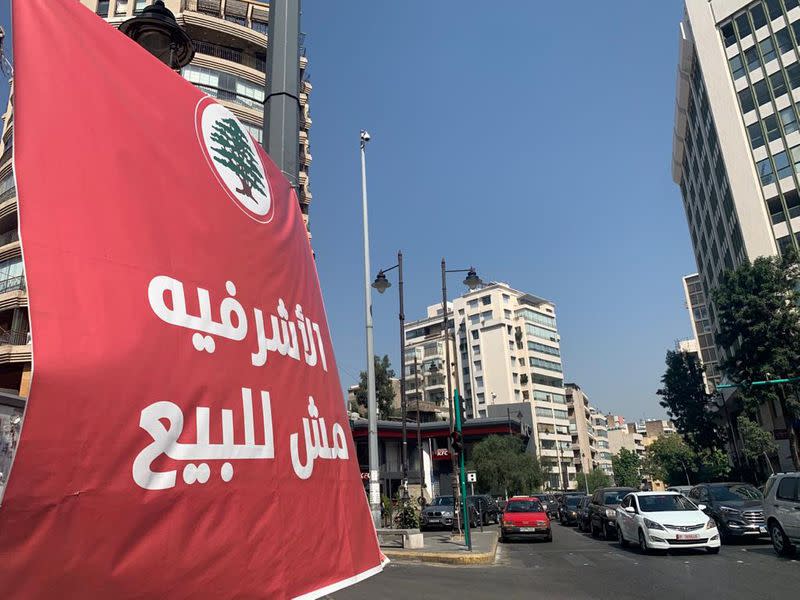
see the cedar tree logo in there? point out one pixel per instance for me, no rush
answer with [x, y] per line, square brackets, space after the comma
[232, 154]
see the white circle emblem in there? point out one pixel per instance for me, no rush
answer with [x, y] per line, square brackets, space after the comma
[233, 157]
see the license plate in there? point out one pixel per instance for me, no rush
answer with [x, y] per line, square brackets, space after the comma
[433, 520]
[687, 536]
[762, 530]
[527, 529]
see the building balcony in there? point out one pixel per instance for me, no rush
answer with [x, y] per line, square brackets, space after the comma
[13, 293]
[9, 193]
[15, 347]
[6, 156]
[208, 14]
[231, 55]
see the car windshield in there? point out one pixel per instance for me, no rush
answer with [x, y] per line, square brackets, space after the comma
[664, 503]
[523, 506]
[573, 501]
[615, 497]
[735, 492]
[442, 501]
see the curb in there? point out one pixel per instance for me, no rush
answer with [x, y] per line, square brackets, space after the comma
[444, 558]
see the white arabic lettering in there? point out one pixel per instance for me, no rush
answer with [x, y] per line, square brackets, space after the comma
[316, 442]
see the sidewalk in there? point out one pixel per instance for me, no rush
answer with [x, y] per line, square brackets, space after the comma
[441, 549]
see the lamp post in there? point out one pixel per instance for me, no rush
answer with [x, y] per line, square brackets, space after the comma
[472, 281]
[419, 429]
[157, 31]
[381, 284]
[372, 403]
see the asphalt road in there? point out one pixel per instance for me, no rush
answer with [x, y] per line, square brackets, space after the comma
[576, 567]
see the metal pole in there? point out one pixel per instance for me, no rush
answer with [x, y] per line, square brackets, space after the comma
[419, 429]
[372, 403]
[733, 433]
[462, 477]
[453, 460]
[403, 370]
[282, 100]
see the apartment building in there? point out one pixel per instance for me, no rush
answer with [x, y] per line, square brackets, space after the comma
[509, 352]
[702, 331]
[589, 431]
[230, 38]
[622, 437]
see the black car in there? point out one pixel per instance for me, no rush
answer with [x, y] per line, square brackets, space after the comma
[736, 507]
[568, 509]
[549, 504]
[486, 507]
[583, 513]
[603, 510]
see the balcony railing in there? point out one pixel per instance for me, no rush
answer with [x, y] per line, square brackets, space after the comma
[12, 284]
[231, 54]
[214, 9]
[231, 96]
[14, 338]
[8, 237]
[9, 193]
[6, 154]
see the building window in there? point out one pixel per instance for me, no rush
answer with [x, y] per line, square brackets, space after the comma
[765, 171]
[475, 335]
[260, 26]
[771, 125]
[782, 165]
[774, 9]
[746, 100]
[541, 332]
[537, 347]
[784, 39]
[102, 8]
[506, 298]
[476, 350]
[122, 8]
[789, 120]
[790, 4]
[479, 382]
[737, 68]
[506, 314]
[752, 58]
[759, 18]
[487, 316]
[784, 243]
[756, 135]
[793, 201]
[762, 92]
[776, 210]
[728, 35]
[778, 83]
[139, 6]
[486, 300]
[478, 365]
[743, 25]
[535, 317]
[793, 71]
[545, 364]
[767, 50]
[472, 304]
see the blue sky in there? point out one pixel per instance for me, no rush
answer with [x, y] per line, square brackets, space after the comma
[515, 138]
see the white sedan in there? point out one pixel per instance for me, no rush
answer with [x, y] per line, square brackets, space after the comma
[665, 520]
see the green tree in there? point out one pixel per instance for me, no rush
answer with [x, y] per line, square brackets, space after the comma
[711, 464]
[504, 467]
[684, 396]
[670, 459]
[756, 443]
[234, 152]
[384, 390]
[759, 327]
[596, 478]
[626, 466]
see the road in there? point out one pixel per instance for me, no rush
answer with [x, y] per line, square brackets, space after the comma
[576, 567]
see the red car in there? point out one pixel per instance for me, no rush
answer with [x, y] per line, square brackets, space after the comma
[524, 516]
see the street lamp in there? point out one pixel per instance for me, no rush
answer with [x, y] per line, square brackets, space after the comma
[372, 404]
[472, 281]
[381, 284]
[157, 31]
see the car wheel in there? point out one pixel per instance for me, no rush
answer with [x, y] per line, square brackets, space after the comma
[609, 533]
[643, 543]
[595, 531]
[622, 541]
[549, 537]
[782, 545]
[724, 538]
[713, 550]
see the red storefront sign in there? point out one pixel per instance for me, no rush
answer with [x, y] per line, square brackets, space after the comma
[441, 454]
[185, 435]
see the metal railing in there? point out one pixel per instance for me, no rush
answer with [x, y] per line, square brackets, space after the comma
[15, 338]
[8, 237]
[6, 154]
[231, 54]
[12, 284]
[9, 193]
[231, 96]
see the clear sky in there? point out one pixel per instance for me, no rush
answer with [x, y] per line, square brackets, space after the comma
[530, 139]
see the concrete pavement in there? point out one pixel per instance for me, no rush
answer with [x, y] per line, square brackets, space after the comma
[576, 567]
[441, 548]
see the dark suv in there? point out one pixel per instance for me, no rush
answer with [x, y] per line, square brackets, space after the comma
[568, 509]
[736, 507]
[603, 510]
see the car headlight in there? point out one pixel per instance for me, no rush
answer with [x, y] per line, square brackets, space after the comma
[447, 513]
[573, 514]
[711, 524]
[611, 513]
[730, 512]
[653, 525]
[541, 523]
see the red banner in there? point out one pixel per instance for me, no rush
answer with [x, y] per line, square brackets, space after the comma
[185, 435]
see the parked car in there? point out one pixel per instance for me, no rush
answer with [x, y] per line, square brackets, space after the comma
[486, 507]
[603, 510]
[782, 512]
[583, 513]
[664, 520]
[550, 504]
[439, 513]
[568, 511]
[681, 489]
[737, 508]
[525, 517]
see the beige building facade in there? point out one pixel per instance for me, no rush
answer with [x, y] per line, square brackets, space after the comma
[589, 431]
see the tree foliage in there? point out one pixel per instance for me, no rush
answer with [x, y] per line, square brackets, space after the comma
[685, 397]
[504, 467]
[673, 461]
[755, 441]
[596, 478]
[384, 390]
[626, 465]
[759, 325]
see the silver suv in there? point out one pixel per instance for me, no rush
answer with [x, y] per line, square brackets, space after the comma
[782, 511]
